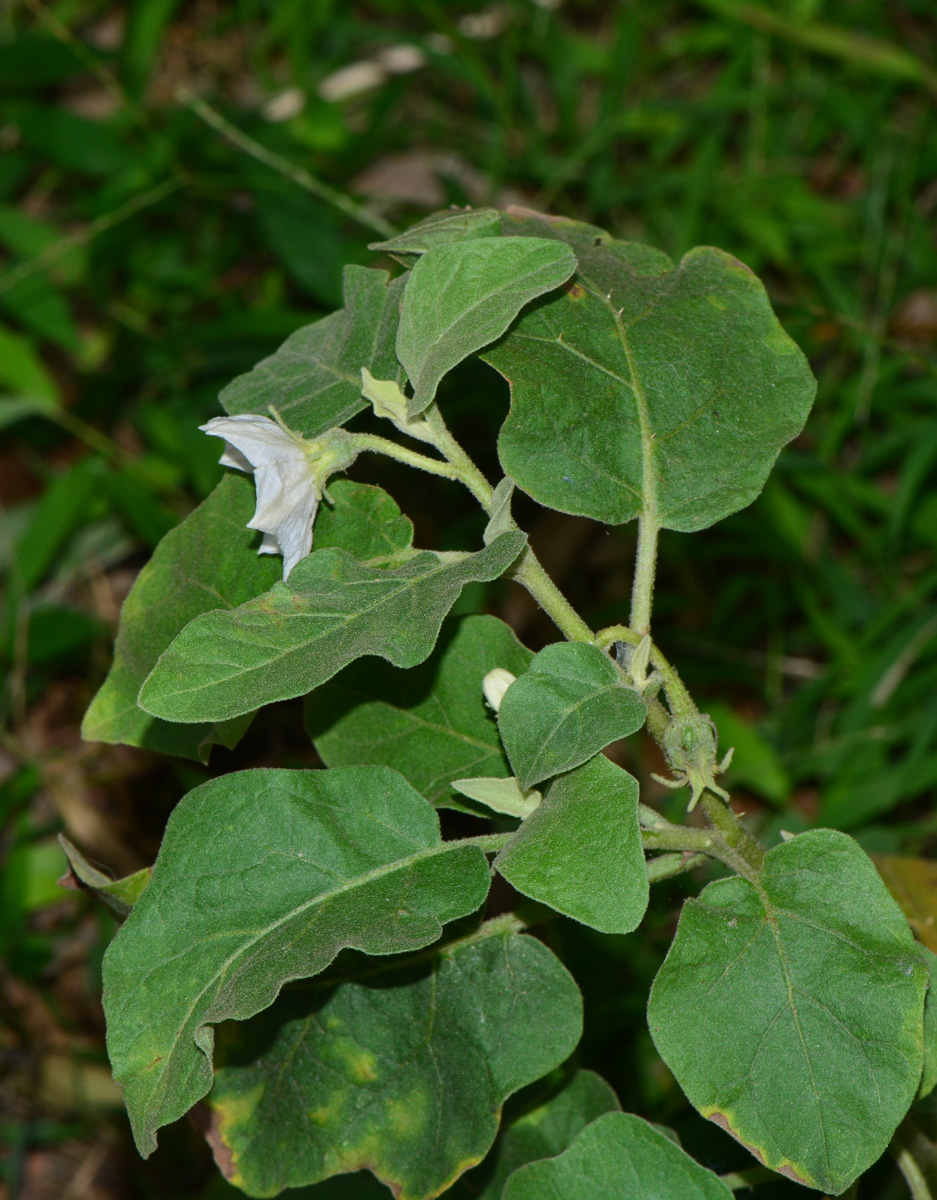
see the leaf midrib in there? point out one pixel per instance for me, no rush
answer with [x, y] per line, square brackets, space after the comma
[320, 898]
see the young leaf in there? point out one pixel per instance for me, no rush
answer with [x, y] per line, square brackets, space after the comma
[119, 895]
[208, 562]
[569, 705]
[540, 1132]
[790, 1010]
[431, 723]
[440, 229]
[363, 520]
[649, 390]
[500, 795]
[314, 379]
[402, 1069]
[263, 876]
[580, 851]
[333, 609]
[617, 1155]
[462, 296]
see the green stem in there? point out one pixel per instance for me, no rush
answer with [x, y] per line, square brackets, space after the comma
[529, 571]
[491, 843]
[642, 592]
[681, 702]
[684, 839]
[378, 445]
[282, 166]
[666, 866]
[746, 855]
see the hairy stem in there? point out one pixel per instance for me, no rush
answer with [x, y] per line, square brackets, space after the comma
[642, 592]
[737, 839]
[378, 445]
[666, 866]
[529, 572]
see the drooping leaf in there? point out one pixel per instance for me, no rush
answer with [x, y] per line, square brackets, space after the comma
[431, 723]
[332, 610]
[580, 850]
[645, 389]
[439, 229]
[208, 562]
[462, 296]
[929, 1074]
[314, 379]
[363, 520]
[539, 1132]
[570, 704]
[790, 1010]
[401, 1069]
[263, 876]
[119, 895]
[618, 1155]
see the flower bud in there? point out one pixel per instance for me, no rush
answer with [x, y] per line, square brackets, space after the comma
[495, 684]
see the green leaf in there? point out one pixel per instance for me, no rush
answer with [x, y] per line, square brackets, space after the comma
[333, 609]
[431, 723]
[929, 1076]
[440, 229]
[263, 876]
[539, 1132]
[363, 520]
[618, 1155]
[580, 851]
[22, 371]
[500, 795]
[790, 1010]
[314, 379]
[401, 1068]
[461, 296]
[119, 895]
[569, 705]
[210, 561]
[649, 390]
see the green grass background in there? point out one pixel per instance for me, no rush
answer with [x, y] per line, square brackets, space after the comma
[148, 253]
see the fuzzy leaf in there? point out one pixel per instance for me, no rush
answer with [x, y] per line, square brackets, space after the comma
[314, 379]
[462, 296]
[263, 876]
[790, 1010]
[119, 895]
[439, 229]
[363, 520]
[929, 1075]
[618, 1155]
[432, 723]
[208, 562]
[299, 634]
[569, 705]
[539, 1132]
[580, 850]
[645, 389]
[402, 1070]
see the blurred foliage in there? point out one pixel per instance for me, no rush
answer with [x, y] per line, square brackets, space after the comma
[146, 258]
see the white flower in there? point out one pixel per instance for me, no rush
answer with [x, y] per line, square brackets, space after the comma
[495, 684]
[290, 476]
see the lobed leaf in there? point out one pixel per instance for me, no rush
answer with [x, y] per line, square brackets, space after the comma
[314, 379]
[462, 296]
[207, 562]
[645, 389]
[570, 704]
[618, 1155]
[580, 850]
[333, 610]
[430, 723]
[402, 1068]
[790, 1010]
[263, 876]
